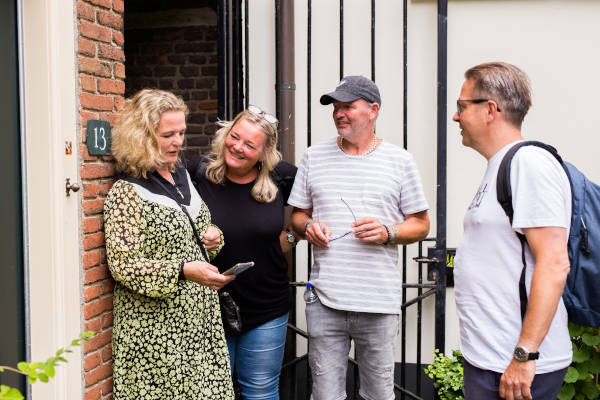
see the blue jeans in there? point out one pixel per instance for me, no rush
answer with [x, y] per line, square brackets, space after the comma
[330, 332]
[256, 356]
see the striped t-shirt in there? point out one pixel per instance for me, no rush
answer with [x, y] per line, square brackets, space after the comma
[352, 275]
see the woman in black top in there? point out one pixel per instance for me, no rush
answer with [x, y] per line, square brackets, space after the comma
[246, 187]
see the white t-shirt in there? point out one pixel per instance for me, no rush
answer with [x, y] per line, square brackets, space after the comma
[488, 262]
[352, 275]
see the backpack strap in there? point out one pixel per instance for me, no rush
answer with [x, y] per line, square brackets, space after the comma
[504, 196]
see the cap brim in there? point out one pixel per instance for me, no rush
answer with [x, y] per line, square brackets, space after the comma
[338, 95]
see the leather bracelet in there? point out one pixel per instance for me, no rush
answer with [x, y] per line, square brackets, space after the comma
[389, 235]
[394, 230]
[181, 274]
[310, 221]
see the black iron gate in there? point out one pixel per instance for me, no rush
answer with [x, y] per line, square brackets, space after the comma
[432, 252]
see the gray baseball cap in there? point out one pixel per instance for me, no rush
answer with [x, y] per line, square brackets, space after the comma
[353, 87]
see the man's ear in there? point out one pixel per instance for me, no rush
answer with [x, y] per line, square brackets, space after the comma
[373, 110]
[492, 110]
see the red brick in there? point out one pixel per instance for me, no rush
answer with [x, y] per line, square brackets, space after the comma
[93, 325]
[93, 206]
[105, 187]
[107, 353]
[118, 6]
[103, 255]
[87, 82]
[97, 341]
[94, 171]
[96, 274]
[107, 318]
[111, 52]
[119, 100]
[91, 361]
[90, 259]
[107, 386]
[85, 116]
[94, 393]
[111, 86]
[90, 190]
[111, 117]
[86, 47]
[98, 374]
[94, 67]
[83, 151]
[85, 11]
[118, 38]
[103, 3]
[96, 32]
[92, 292]
[108, 286]
[93, 241]
[119, 70]
[97, 306]
[91, 225]
[96, 102]
[109, 19]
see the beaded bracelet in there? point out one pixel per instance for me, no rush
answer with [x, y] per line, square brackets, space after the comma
[389, 235]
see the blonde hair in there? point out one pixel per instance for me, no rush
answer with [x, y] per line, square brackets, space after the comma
[264, 190]
[135, 144]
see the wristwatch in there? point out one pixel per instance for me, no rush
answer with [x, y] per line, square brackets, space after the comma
[291, 238]
[522, 354]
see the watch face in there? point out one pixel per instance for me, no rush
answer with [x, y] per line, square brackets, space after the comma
[290, 237]
[521, 354]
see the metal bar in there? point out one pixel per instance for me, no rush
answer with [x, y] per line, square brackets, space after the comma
[440, 307]
[373, 40]
[419, 323]
[294, 361]
[422, 286]
[246, 55]
[308, 76]
[405, 73]
[286, 86]
[418, 298]
[277, 56]
[341, 39]
[222, 58]
[403, 326]
[407, 392]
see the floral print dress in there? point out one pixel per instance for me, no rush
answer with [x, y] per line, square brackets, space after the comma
[168, 340]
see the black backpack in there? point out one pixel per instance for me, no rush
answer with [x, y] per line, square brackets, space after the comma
[582, 290]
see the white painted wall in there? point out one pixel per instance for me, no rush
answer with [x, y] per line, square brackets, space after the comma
[553, 41]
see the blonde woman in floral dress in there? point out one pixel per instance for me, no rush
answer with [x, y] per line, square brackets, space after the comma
[168, 340]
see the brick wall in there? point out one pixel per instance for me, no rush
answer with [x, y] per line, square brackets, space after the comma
[184, 61]
[101, 88]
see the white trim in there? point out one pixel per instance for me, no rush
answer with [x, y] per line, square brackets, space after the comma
[53, 220]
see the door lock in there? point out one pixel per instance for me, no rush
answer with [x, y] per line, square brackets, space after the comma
[71, 186]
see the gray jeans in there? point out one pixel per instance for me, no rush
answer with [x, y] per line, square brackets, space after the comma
[330, 332]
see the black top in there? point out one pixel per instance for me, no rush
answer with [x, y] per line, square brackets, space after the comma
[251, 230]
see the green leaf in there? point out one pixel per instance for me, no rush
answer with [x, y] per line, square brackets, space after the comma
[49, 370]
[32, 379]
[567, 392]
[43, 377]
[8, 393]
[24, 366]
[572, 375]
[580, 355]
[590, 389]
[575, 330]
[584, 374]
[591, 339]
[593, 365]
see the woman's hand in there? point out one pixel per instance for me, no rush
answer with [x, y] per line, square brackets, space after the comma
[211, 238]
[206, 274]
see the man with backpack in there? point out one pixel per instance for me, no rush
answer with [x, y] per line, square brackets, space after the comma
[514, 336]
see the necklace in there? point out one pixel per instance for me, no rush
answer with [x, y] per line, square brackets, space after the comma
[373, 146]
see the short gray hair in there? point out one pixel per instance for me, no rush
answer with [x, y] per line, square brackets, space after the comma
[506, 84]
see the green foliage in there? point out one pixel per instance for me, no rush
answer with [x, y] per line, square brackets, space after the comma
[581, 381]
[42, 371]
[447, 375]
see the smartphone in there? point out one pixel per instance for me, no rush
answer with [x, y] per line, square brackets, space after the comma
[239, 268]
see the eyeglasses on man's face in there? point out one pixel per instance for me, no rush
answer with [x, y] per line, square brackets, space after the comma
[261, 114]
[460, 106]
[331, 239]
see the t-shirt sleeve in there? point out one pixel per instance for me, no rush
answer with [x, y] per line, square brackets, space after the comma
[300, 196]
[541, 190]
[412, 197]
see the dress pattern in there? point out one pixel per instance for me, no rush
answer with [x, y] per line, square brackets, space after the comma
[168, 340]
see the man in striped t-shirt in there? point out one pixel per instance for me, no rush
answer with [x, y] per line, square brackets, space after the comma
[356, 198]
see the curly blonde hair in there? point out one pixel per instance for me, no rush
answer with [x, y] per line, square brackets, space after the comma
[135, 144]
[264, 190]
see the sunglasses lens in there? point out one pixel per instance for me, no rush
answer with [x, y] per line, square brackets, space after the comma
[270, 118]
[254, 110]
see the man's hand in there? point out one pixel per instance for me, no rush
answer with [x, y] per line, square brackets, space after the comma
[206, 274]
[318, 233]
[515, 382]
[211, 238]
[370, 230]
